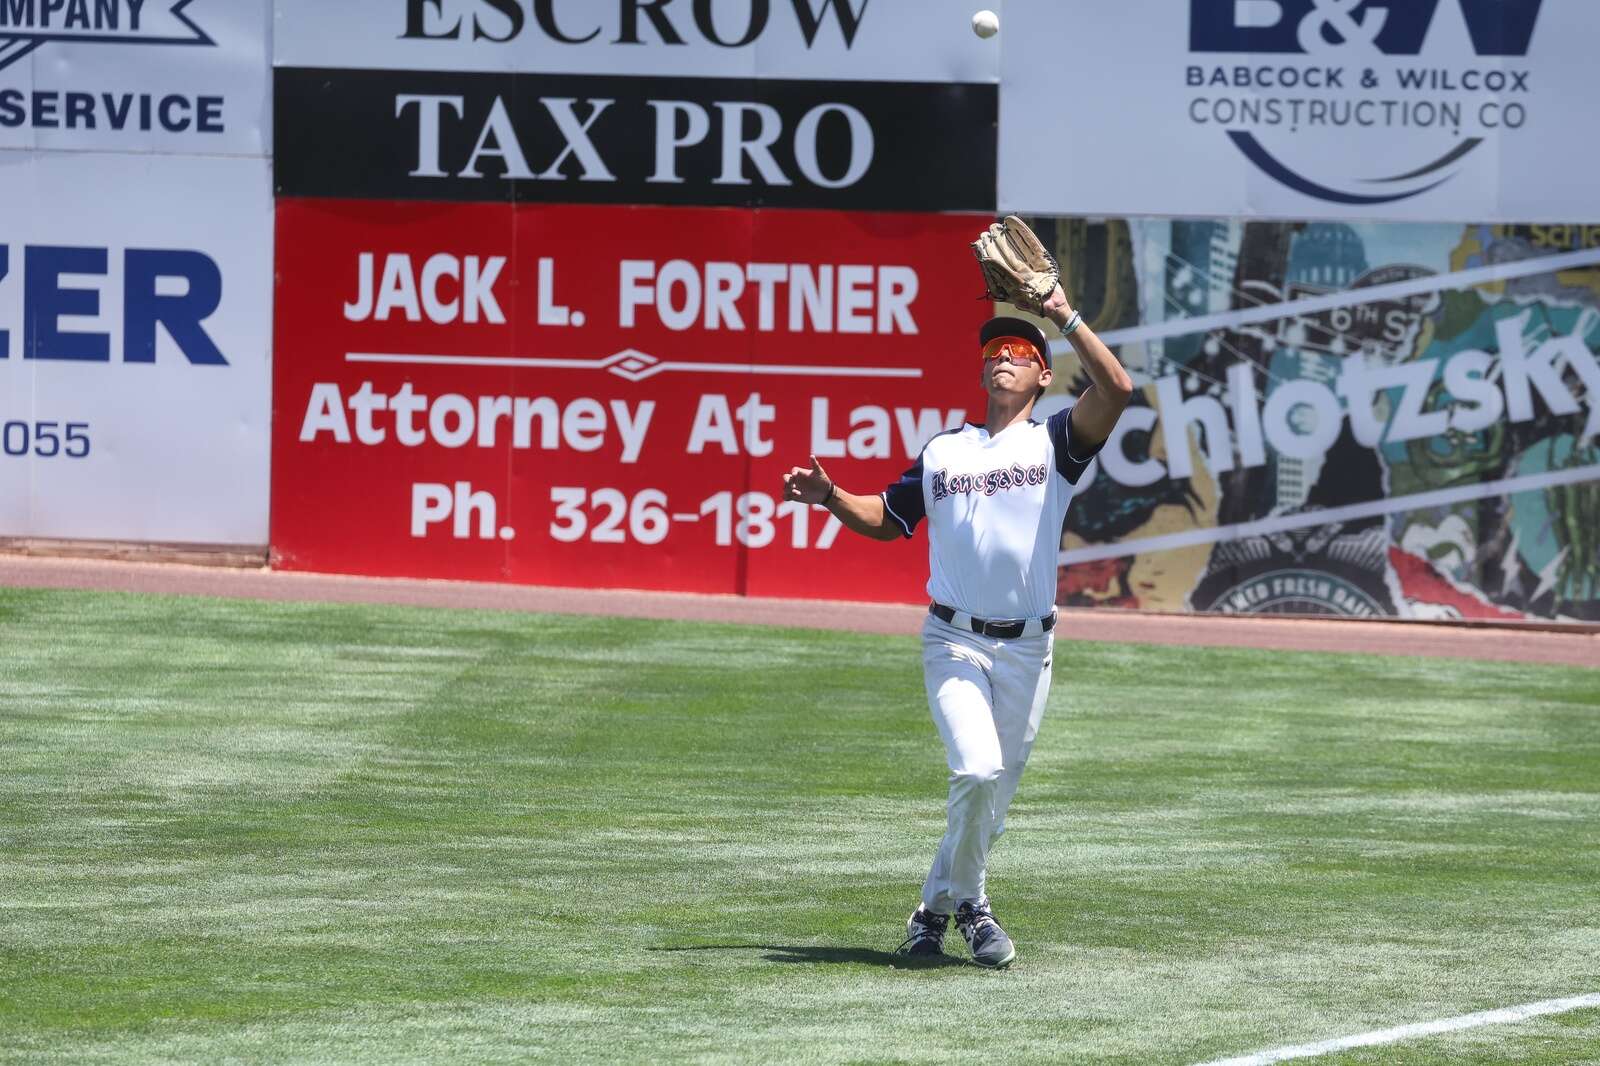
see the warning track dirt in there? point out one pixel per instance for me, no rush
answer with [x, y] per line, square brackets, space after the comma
[1509, 644]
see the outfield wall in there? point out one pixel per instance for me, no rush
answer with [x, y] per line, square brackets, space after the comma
[1394, 110]
[1383, 419]
[559, 290]
[135, 272]
[456, 397]
[571, 327]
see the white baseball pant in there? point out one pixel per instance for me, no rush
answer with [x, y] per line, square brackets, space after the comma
[987, 697]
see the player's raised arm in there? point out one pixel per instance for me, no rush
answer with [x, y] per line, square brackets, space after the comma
[1102, 403]
[860, 514]
[1019, 270]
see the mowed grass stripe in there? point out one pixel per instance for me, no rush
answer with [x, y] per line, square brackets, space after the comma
[294, 833]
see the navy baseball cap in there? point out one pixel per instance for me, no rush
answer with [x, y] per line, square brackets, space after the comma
[1015, 327]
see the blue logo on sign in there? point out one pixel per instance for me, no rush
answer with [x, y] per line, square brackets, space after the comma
[48, 296]
[1321, 27]
[1333, 88]
[26, 25]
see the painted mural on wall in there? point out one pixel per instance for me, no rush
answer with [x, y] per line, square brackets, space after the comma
[1362, 420]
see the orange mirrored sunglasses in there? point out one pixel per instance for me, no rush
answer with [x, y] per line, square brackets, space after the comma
[1022, 351]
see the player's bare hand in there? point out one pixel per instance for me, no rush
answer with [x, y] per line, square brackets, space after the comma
[807, 486]
[1056, 306]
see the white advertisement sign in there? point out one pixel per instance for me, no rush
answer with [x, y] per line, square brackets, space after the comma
[134, 338]
[136, 75]
[1424, 110]
[855, 40]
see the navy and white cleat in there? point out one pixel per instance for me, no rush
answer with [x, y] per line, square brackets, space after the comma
[924, 933]
[985, 939]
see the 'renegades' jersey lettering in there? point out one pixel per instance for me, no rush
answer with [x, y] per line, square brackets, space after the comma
[989, 482]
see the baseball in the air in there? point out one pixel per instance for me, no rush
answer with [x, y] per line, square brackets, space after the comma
[986, 24]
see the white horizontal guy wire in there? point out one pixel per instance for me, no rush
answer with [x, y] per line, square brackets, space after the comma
[1330, 515]
[1461, 279]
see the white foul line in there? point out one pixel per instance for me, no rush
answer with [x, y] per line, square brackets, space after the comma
[1405, 1032]
[1545, 264]
[1330, 515]
[766, 369]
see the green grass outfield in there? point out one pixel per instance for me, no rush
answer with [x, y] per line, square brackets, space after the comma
[258, 832]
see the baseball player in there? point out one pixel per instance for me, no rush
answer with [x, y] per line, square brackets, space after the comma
[994, 496]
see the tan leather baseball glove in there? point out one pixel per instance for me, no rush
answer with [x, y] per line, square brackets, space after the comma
[1017, 269]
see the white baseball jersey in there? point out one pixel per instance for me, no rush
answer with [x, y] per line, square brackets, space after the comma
[994, 506]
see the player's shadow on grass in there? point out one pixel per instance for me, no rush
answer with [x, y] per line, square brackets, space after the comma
[859, 956]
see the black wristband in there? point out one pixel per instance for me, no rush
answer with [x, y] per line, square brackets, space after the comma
[833, 487]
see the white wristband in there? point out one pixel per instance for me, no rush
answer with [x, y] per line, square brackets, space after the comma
[1072, 324]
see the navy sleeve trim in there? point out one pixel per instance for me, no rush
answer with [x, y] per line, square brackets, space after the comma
[903, 499]
[1069, 464]
[887, 506]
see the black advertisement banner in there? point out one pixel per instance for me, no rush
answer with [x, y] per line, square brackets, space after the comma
[860, 146]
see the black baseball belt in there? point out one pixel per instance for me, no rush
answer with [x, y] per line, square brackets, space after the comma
[999, 629]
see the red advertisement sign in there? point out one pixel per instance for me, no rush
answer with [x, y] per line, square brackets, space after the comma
[607, 396]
